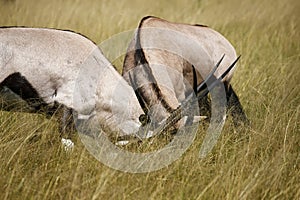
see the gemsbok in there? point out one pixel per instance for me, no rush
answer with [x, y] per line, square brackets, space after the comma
[163, 54]
[43, 66]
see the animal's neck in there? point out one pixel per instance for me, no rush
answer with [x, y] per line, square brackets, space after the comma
[116, 102]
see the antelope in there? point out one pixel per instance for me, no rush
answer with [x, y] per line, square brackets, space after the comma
[161, 50]
[41, 66]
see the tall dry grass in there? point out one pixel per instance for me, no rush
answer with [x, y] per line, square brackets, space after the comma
[261, 162]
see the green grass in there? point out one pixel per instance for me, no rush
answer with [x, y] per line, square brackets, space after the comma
[261, 162]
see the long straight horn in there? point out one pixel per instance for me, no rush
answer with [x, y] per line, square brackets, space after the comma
[230, 67]
[204, 83]
[216, 81]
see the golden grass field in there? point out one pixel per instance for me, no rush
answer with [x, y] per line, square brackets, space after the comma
[259, 162]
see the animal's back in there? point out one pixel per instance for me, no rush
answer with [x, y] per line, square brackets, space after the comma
[47, 58]
[42, 47]
[213, 45]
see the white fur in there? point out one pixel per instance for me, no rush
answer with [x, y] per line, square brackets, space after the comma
[58, 62]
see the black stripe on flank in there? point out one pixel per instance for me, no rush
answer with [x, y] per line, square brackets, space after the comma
[140, 59]
[139, 56]
[20, 86]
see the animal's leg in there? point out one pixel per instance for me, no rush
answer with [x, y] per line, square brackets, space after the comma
[235, 108]
[67, 126]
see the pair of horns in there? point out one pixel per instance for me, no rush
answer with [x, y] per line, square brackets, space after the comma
[202, 90]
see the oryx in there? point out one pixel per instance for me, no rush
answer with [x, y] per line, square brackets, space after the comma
[163, 51]
[42, 67]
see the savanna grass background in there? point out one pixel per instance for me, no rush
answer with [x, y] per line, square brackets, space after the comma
[259, 162]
